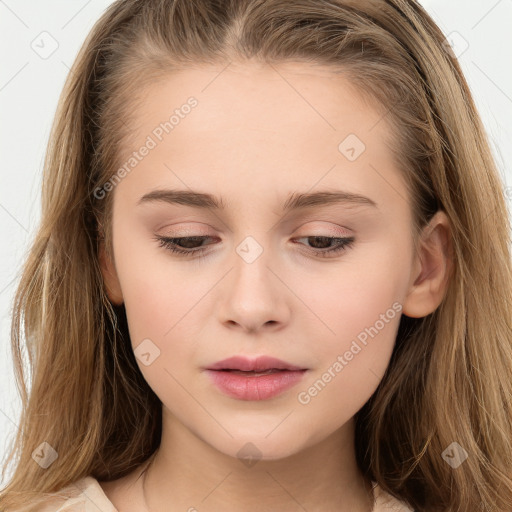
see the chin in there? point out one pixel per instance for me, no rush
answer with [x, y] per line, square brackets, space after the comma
[254, 448]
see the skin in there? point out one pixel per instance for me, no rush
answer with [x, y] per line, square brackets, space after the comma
[259, 133]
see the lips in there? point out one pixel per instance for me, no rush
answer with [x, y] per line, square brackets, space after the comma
[258, 364]
[261, 378]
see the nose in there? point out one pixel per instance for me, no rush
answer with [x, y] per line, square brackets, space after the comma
[253, 297]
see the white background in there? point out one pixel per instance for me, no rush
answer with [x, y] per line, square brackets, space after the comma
[30, 86]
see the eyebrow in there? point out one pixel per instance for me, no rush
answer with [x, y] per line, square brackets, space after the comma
[295, 201]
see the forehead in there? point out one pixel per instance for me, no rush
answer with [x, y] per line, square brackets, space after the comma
[259, 97]
[256, 126]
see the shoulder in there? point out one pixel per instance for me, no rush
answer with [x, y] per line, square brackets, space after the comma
[84, 495]
[384, 502]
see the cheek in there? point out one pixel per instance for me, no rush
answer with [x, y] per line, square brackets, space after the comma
[354, 295]
[156, 288]
[357, 312]
[159, 311]
[353, 354]
[160, 299]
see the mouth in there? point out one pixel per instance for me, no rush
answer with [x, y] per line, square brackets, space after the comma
[258, 364]
[251, 373]
[254, 379]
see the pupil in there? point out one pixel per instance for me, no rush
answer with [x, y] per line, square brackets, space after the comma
[325, 239]
[190, 241]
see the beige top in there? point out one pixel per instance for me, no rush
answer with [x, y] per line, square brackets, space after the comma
[86, 495]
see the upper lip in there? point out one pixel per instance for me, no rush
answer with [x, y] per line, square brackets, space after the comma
[246, 364]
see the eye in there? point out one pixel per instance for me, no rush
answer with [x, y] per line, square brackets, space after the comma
[172, 244]
[340, 244]
[192, 245]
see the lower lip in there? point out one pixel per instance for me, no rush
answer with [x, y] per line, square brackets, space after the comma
[255, 387]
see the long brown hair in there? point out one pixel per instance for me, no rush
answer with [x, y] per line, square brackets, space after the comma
[450, 376]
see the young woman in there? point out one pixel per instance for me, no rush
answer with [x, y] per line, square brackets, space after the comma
[273, 270]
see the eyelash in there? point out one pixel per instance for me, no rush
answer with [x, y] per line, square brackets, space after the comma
[170, 245]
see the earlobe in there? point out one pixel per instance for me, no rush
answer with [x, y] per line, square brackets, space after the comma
[110, 279]
[432, 268]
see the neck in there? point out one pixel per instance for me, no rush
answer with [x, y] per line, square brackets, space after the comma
[185, 472]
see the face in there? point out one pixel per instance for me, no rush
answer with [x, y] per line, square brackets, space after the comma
[319, 284]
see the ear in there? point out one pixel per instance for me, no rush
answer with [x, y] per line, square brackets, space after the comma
[110, 279]
[431, 269]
